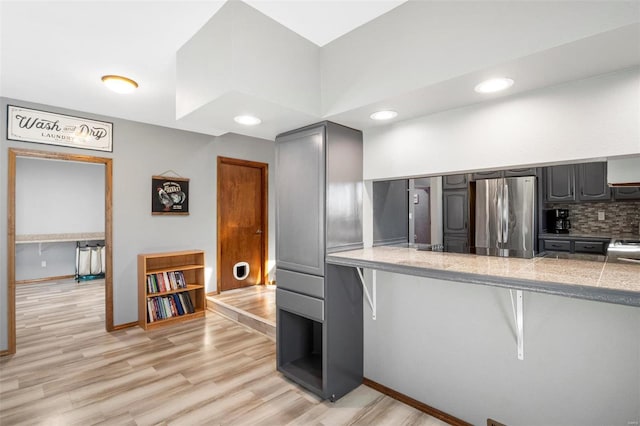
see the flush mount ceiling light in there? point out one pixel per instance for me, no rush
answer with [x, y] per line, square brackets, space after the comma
[247, 120]
[494, 85]
[119, 84]
[383, 115]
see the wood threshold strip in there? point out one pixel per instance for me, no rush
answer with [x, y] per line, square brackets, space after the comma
[434, 412]
[40, 280]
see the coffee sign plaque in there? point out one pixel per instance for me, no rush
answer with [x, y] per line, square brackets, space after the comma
[30, 125]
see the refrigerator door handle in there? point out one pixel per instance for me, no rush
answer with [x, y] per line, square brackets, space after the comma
[499, 215]
[505, 212]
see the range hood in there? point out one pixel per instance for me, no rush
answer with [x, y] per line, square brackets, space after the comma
[623, 172]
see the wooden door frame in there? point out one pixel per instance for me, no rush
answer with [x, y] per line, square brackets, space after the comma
[264, 171]
[14, 153]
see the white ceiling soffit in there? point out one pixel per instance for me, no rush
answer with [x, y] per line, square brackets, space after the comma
[336, 18]
[616, 50]
[418, 58]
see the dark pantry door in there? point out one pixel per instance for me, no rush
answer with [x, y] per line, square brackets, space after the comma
[242, 222]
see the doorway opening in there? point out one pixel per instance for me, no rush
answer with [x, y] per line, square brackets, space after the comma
[14, 154]
[242, 223]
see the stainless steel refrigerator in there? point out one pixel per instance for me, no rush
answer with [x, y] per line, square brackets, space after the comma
[505, 216]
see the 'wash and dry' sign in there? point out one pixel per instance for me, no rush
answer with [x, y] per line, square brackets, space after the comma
[30, 125]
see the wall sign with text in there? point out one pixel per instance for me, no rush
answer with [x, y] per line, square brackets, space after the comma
[30, 125]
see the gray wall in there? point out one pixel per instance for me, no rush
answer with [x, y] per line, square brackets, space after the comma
[453, 346]
[140, 151]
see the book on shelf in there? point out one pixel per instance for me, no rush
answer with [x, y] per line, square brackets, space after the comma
[172, 305]
[165, 281]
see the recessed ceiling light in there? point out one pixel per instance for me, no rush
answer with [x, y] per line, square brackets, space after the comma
[383, 115]
[119, 84]
[494, 85]
[247, 120]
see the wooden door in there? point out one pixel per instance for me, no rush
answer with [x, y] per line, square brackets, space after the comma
[242, 223]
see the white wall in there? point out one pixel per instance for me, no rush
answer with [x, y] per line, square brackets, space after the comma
[453, 346]
[587, 119]
[140, 151]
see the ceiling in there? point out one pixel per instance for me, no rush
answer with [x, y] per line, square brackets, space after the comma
[55, 52]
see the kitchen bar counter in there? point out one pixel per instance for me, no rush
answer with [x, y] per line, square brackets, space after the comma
[599, 281]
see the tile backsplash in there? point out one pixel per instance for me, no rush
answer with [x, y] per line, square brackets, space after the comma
[620, 217]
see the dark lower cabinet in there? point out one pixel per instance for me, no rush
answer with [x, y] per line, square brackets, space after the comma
[456, 244]
[595, 247]
[572, 244]
[555, 245]
[319, 341]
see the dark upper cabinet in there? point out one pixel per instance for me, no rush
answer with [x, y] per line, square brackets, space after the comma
[488, 175]
[456, 211]
[560, 183]
[318, 180]
[531, 171]
[592, 182]
[455, 181]
[300, 204]
[626, 193]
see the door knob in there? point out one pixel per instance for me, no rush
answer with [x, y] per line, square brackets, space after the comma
[259, 231]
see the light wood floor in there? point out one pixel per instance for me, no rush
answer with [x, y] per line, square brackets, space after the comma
[68, 370]
[259, 300]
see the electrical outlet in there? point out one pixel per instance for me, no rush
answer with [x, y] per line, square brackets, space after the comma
[43, 263]
[600, 215]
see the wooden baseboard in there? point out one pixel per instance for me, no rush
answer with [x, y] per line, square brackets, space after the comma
[41, 280]
[123, 326]
[434, 412]
[5, 353]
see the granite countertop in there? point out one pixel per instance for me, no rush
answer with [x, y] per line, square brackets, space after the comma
[57, 238]
[600, 281]
[591, 235]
